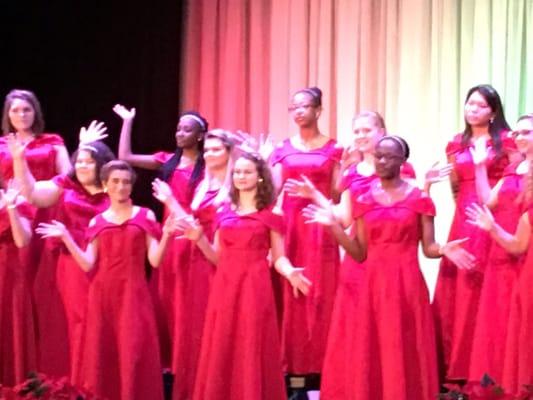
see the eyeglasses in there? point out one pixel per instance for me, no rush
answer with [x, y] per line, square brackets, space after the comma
[294, 107]
[524, 132]
[387, 157]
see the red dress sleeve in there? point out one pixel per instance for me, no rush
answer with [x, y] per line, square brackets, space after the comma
[454, 145]
[52, 139]
[162, 156]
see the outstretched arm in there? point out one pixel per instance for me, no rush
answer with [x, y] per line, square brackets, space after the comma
[85, 259]
[145, 161]
[515, 244]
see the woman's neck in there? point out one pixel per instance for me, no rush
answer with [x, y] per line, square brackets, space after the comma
[189, 156]
[479, 131]
[24, 135]
[92, 188]
[121, 207]
[310, 133]
[392, 183]
[247, 202]
[217, 177]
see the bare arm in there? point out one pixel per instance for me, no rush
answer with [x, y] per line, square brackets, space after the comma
[20, 227]
[515, 244]
[85, 259]
[157, 249]
[356, 247]
[63, 165]
[145, 161]
[284, 267]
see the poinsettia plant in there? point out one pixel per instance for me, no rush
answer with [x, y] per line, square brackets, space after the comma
[485, 389]
[42, 387]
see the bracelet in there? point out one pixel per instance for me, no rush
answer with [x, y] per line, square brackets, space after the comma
[11, 206]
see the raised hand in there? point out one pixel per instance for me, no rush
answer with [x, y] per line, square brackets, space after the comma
[438, 173]
[303, 188]
[479, 216]
[299, 282]
[320, 215]
[123, 112]
[15, 146]
[266, 145]
[94, 132]
[53, 229]
[479, 152]
[462, 258]
[161, 190]
[350, 156]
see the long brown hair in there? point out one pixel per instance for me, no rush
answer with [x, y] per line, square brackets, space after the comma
[38, 122]
[265, 195]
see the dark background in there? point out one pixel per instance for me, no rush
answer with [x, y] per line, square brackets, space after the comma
[82, 57]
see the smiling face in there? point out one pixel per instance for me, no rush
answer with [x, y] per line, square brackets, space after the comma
[303, 109]
[21, 115]
[188, 132]
[216, 154]
[366, 133]
[85, 168]
[388, 158]
[477, 110]
[523, 136]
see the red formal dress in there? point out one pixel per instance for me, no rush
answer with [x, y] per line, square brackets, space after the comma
[241, 355]
[394, 353]
[164, 280]
[337, 375]
[306, 319]
[518, 366]
[193, 281]
[17, 333]
[501, 273]
[457, 291]
[52, 355]
[120, 349]
[75, 209]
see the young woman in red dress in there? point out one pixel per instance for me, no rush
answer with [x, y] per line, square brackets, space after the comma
[457, 291]
[516, 369]
[47, 157]
[17, 333]
[76, 197]
[393, 349]
[182, 170]
[241, 355]
[120, 350]
[305, 320]
[195, 272]
[508, 202]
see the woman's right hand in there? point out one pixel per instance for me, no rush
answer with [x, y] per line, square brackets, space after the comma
[161, 191]
[124, 113]
[320, 215]
[480, 216]
[16, 147]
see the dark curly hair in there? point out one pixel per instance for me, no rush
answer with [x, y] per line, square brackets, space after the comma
[100, 153]
[266, 194]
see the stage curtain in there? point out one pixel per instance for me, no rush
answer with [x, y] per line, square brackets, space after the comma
[411, 60]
